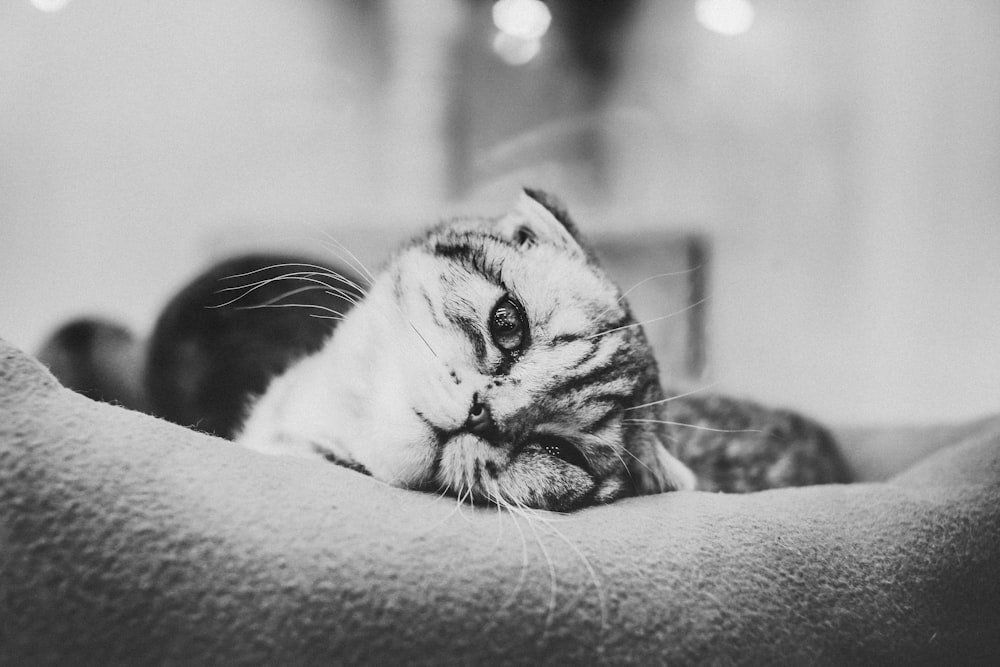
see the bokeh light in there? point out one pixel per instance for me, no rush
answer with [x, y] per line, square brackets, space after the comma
[514, 50]
[725, 17]
[49, 5]
[524, 19]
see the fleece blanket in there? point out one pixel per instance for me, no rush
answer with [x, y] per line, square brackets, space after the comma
[127, 540]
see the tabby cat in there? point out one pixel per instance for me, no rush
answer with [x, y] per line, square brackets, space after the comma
[491, 359]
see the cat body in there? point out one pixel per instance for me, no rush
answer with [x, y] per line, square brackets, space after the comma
[421, 387]
[492, 359]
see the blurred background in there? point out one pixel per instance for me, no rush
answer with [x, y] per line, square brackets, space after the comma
[826, 176]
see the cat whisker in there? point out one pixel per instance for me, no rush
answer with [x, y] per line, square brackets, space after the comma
[592, 574]
[420, 335]
[465, 496]
[533, 517]
[650, 321]
[669, 274]
[505, 506]
[698, 427]
[442, 493]
[522, 510]
[637, 459]
[672, 398]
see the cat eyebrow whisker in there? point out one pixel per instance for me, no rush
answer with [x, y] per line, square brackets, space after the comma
[317, 271]
[339, 249]
[307, 277]
[672, 398]
[334, 314]
[694, 426]
[300, 290]
[649, 321]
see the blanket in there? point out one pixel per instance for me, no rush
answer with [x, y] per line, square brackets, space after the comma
[128, 540]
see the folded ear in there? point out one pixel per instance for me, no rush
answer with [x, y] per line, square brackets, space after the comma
[655, 470]
[539, 218]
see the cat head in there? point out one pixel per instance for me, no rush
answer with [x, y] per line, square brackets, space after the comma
[494, 360]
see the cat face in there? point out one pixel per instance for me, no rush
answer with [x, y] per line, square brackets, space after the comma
[495, 361]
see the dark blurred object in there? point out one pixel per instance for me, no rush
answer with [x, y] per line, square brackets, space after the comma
[211, 352]
[98, 358]
[594, 32]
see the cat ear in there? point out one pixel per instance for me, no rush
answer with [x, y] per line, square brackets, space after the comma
[656, 470]
[539, 218]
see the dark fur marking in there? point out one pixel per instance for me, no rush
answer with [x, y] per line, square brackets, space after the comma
[441, 434]
[430, 308]
[350, 465]
[333, 458]
[562, 339]
[618, 365]
[623, 321]
[472, 257]
[472, 332]
[589, 354]
[606, 418]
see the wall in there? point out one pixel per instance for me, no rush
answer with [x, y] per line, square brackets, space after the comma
[846, 158]
[132, 131]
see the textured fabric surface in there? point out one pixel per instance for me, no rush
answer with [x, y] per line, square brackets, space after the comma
[128, 540]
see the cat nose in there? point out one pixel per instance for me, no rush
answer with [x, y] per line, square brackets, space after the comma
[480, 420]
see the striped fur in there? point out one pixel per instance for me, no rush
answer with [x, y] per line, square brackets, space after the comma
[395, 388]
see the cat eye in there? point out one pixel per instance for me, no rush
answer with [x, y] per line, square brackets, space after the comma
[561, 449]
[523, 236]
[507, 325]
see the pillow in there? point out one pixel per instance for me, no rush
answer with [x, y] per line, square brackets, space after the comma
[126, 539]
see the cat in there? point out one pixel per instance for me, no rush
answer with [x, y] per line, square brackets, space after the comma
[491, 359]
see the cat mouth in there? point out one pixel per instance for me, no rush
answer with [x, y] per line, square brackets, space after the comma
[552, 445]
[544, 471]
[538, 469]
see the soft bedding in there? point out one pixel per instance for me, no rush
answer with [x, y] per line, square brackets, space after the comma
[128, 540]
